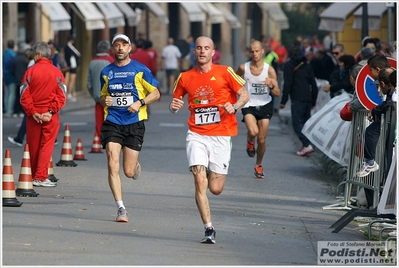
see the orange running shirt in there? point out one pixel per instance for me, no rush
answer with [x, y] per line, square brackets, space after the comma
[206, 93]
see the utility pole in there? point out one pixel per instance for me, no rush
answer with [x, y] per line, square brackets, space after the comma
[365, 21]
[390, 5]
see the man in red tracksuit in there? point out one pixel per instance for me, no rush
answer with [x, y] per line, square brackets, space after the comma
[43, 94]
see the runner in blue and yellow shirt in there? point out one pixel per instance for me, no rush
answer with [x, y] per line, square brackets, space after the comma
[127, 87]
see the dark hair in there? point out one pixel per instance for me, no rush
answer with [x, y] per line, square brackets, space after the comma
[71, 37]
[10, 44]
[370, 40]
[147, 44]
[378, 61]
[383, 75]
[347, 60]
[29, 39]
[392, 78]
[295, 51]
[140, 43]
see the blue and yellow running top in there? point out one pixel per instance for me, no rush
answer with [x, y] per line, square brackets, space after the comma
[126, 84]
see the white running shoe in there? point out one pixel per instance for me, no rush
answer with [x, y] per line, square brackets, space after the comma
[45, 183]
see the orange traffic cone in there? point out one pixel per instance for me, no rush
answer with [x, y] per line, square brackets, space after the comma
[51, 175]
[79, 154]
[25, 185]
[9, 197]
[96, 147]
[66, 153]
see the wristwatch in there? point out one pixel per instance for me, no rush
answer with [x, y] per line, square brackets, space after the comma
[142, 102]
[235, 108]
[51, 112]
[272, 87]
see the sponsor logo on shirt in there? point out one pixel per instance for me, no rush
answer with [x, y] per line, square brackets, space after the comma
[123, 74]
[115, 86]
[206, 110]
[127, 85]
[120, 94]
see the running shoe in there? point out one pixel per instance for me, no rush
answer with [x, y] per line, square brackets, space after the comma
[305, 151]
[71, 98]
[251, 149]
[138, 171]
[13, 141]
[366, 169]
[45, 183]
[122, 215]
[259, 172]
[209, 237]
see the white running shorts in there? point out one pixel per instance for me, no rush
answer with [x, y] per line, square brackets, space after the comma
[213, 152]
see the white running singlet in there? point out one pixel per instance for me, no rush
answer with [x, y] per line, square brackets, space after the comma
[257, 89]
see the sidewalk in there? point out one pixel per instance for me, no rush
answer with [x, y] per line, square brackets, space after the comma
[84, 100]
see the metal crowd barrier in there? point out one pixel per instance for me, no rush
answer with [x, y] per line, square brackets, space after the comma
[374, 180]
[356, 158]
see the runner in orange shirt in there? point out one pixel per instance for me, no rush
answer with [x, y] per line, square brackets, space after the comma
[212, 97]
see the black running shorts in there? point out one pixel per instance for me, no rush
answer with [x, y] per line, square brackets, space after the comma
[259, 112]
[131, 136]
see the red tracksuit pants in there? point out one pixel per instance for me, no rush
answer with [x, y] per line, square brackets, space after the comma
[41, 138]
[99, 113]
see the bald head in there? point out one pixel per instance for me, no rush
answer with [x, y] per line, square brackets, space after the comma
[256, 44]
[206, 41]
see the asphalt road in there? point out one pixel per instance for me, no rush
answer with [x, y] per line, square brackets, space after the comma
[276, 221]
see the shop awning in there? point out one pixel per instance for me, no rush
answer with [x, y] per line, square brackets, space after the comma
[375, 12]
[333, 17]
[194, 12]
[89, 13]
[277, 14]
[230, 17]
[59, 17]
[130, 14]
[159, 12]
[215, 14]
[112, 14]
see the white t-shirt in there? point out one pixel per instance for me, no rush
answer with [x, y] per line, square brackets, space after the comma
[171, 54]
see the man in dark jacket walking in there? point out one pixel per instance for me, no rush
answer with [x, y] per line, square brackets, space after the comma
[300, 86]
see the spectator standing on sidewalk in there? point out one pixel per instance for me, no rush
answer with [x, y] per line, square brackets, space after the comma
[97, 64]
[339, 79]
[153, 54]
[127, 87]
[212, 91]
[8, 79]
[18, 68]
[300, 86]
[42, 97]
[261, 84]
[72, 56]
[338, 50]
[170, 63]
[19, 139]
[142, 56]
[58, 58]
